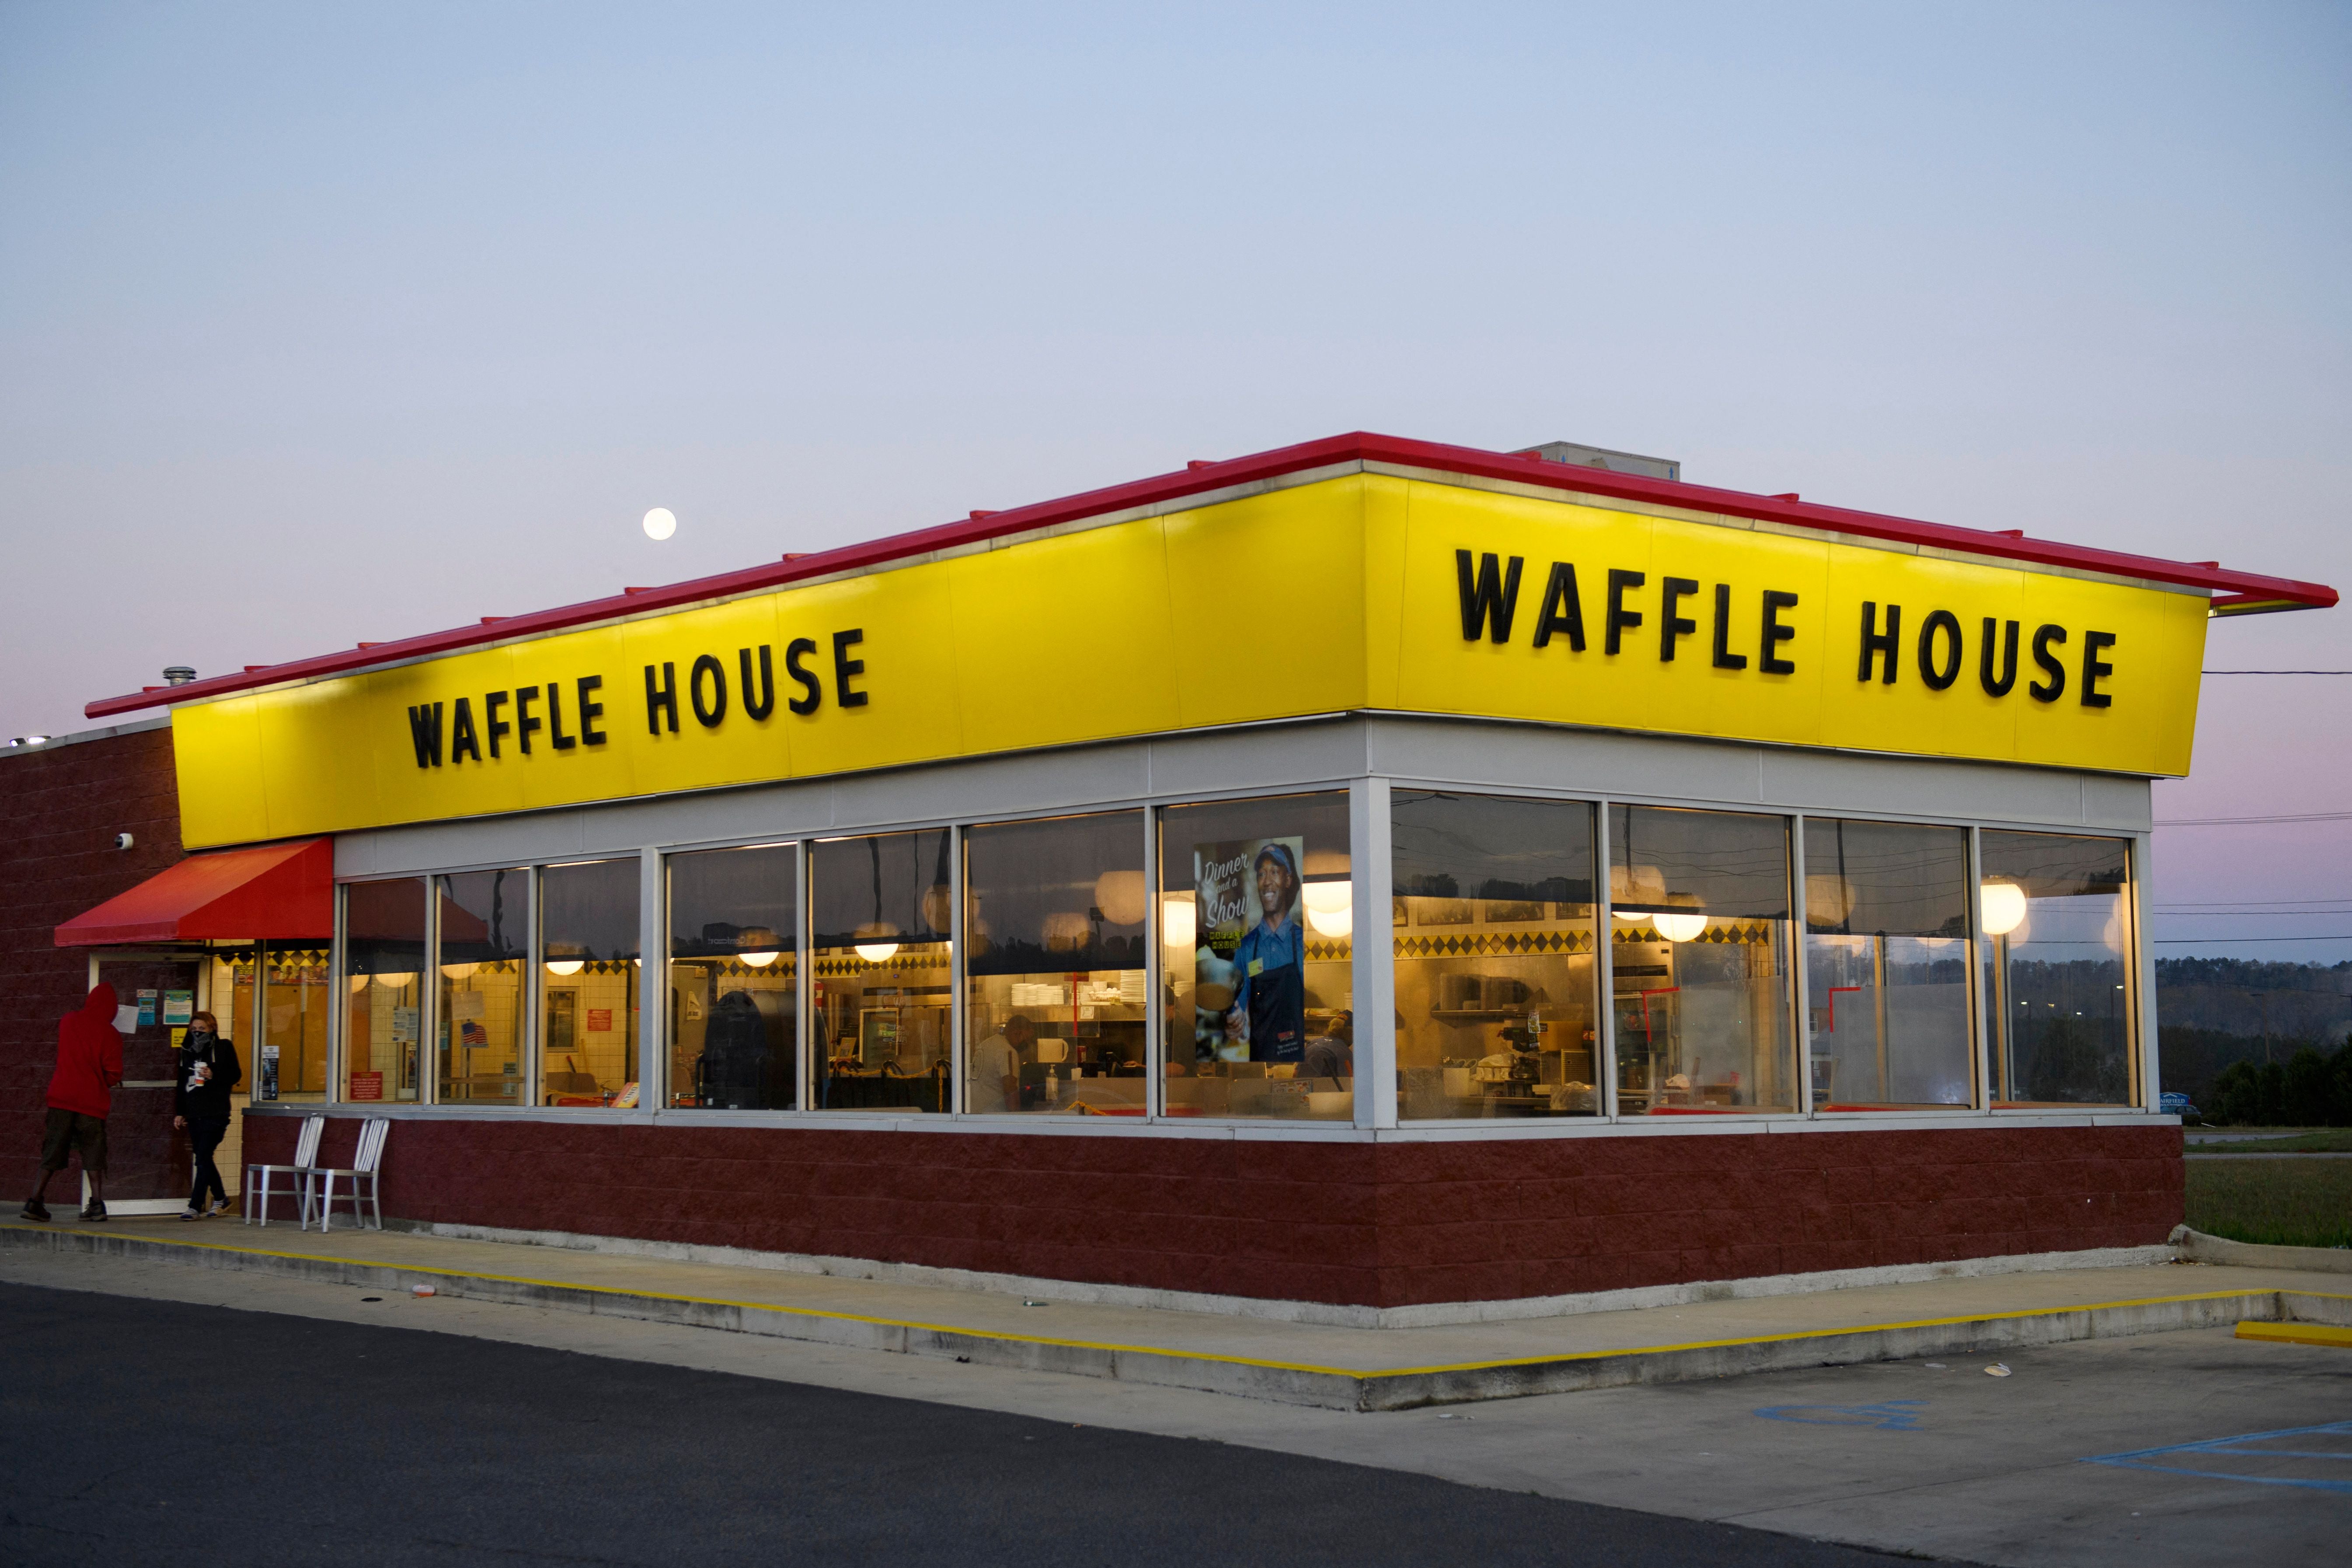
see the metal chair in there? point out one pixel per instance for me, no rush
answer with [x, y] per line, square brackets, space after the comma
[306, 1154]
[320, 1185]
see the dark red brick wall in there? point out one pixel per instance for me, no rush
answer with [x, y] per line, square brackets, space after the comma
[1383, 1224]
[59, 811]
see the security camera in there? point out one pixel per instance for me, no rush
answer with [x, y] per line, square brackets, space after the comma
[124, 841]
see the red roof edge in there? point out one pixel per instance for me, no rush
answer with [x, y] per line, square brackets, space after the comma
[2242, 591]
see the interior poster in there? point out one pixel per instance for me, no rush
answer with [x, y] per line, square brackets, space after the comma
[1249, 997]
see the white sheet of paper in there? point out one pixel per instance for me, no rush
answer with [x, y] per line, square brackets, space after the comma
[126, 1019]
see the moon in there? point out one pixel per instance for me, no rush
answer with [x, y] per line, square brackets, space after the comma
[660, 522]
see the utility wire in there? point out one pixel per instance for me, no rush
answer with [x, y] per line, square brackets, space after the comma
[2205, 941]
[2275, 672]
[2242, 821]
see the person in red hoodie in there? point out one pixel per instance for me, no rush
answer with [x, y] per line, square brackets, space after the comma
[81, 1092]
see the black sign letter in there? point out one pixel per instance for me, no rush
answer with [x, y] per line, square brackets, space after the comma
[812, 694]
[525, 725]
[1877, 642]
[760, 695]
[1724, 658]
[661, 700]
[2042, 637]
[425, 734]
[1495, 594]
[843, 667]
[1775, 634]
[1620, 619]
[1670, 625]
[2093, 669]
[708, 714]
[494, 726]
[1561, 611]
[1939, 674]
[462, 740]
[1984, 661]
[589, 709]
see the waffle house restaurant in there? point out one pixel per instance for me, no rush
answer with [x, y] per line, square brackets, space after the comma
[1370, 872]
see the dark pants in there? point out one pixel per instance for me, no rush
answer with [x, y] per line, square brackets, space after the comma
[66, 1132]
[204, 1135]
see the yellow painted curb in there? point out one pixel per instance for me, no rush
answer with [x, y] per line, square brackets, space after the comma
[2297, 1333]
[1363, 1373]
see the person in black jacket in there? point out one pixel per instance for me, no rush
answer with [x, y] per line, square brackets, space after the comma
[208, 1069]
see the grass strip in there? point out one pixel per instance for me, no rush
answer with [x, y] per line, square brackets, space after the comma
[2327, 1141]
[2276, 1203]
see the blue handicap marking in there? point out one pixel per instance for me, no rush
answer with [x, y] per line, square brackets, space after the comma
[1888, 1416]
[2317, 1458]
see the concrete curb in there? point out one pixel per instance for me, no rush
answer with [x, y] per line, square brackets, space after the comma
[1328, 1387]
[2196, 1246]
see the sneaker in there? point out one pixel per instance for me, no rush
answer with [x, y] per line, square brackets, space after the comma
[39, 1211]
[94, 1211]
[192, 1214]
[220, 1206]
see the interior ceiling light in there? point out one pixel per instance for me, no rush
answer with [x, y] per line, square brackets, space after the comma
[1331, 907]
[2004, 908]
[1177, 926]
[565, 965]
[1679, 928]
[873, 944]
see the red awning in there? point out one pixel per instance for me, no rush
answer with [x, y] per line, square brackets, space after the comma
[278, 892]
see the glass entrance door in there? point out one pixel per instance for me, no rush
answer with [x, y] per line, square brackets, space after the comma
[147, 1161]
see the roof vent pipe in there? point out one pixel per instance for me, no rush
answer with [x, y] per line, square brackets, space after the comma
[178, 674]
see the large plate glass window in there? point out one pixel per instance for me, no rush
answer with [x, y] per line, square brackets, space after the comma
[383, 981]
[588, 983]
[484, 953]
[734, 979]
[1257, 927]
[2057, 918]
[1887, 964]
[290, 1062]
[1054, 960]
[881, 917]
[1700, 957]
[1494, 921]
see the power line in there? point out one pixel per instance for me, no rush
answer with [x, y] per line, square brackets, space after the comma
[2275, 672]
[2250, 903]
[2206, 940]
[2239, 821]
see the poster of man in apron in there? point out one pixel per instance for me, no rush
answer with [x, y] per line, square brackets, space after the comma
[1248, 894]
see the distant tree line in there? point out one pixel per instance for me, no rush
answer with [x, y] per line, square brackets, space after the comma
[2307, 1090]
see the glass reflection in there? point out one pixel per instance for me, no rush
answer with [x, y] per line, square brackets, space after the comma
[383, 969]
[1886, 954]
[588, 983]
[484, 951]
[881, 911]
[1257, 927]
[1054, 923]
[734, 979]
[1495, 1003]
[2057, 964]
[1700, 934]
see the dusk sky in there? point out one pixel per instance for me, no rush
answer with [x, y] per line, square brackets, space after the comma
[332, 323]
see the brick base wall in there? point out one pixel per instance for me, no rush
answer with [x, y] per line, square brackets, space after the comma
[1378, 1224]
[59, 811]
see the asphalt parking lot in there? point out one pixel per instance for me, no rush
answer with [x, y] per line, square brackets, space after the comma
[2177, 1448]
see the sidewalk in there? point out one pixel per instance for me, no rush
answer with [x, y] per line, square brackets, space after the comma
[1338, 1368]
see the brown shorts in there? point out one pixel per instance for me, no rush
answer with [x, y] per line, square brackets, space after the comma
[71, 1130]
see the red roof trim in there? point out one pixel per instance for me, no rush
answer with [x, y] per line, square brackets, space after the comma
[2248, 588]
